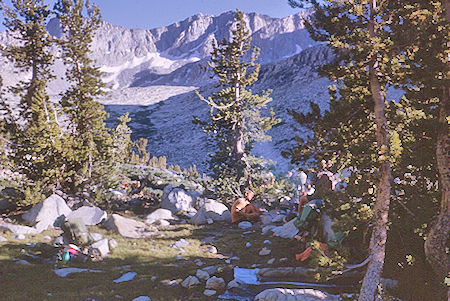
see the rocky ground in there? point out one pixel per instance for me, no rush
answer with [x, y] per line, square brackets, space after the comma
[161, 239]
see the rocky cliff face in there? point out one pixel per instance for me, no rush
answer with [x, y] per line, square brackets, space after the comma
[152, 74]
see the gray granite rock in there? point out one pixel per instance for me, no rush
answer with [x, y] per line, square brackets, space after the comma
[190, 282]
[18, 229]
[89, 215]
[245, 225]
[215, 210]
[102, 246]
[209, 293]
[159, 214]
[47, 213]
[215, 283]
[129, 227]
[282, 294]
[203, 275]
[179, 200]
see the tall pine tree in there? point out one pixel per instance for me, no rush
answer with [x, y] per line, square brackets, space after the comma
[36, 132]
[357, 30]
[236, 121]
[91, 147]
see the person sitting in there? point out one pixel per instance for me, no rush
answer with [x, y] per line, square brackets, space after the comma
[324, 184]
[243, 210]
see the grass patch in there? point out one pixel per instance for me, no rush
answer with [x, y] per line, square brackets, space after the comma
[152, 259]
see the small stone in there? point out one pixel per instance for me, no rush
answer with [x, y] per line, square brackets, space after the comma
[178, 257]
[211, 270]
[266, 219]
[3, 239]
[209, 293]
[228, 261]
[198, 262]
[47, 238]
[154, 278]
[142, 298]
[215, 283]
[233, 284]
[245, 225]
[19, 236]
[266, 229]
[264, 252]
[235, 258]
[248, 244]
[170, 283]
[96, 236]
[190, 282]
[209, 221]
[203, 275]
[267, 242]
[279, 218]
[271, 261]
[102, 246]
[283, 259]
[212, 250]
[113, 244]
[180, 244]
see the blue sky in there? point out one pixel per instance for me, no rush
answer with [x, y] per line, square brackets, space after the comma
[155, 13]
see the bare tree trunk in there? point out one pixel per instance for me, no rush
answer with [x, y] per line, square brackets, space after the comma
[381, 211]
[438, 239]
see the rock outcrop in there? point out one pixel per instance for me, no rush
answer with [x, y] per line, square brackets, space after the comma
[49, 212]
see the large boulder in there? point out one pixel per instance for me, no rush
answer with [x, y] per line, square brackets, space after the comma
[178, 200]
[158, 215]
[283, 294]
[49, 212]
[215, 210]
[129, 227]
[89, 215]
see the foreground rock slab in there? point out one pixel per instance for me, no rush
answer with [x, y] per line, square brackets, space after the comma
[283, 294]
[129, 227]
[47, 213]
[125, 277]
[66, 271]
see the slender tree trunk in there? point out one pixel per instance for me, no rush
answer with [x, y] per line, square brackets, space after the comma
[238, 138]
[381, 211]
[437, 241]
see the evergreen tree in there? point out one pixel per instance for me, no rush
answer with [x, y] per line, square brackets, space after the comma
[122, 139]
[36, 132]
[235, 111]
[357, 30]
[422, 29]
[410, 48]
[91, 146]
